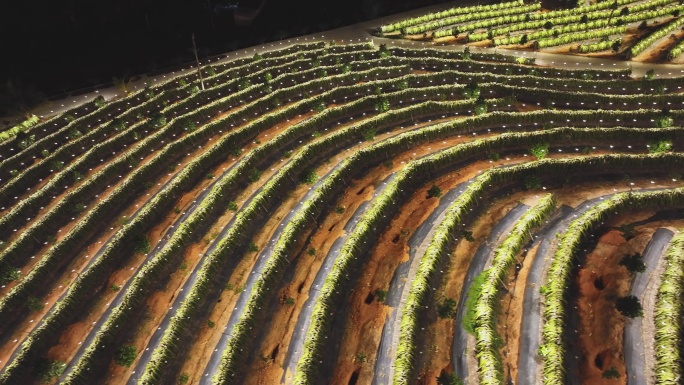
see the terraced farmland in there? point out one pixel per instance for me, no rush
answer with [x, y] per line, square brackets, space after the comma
[349, 214]
[641, 30]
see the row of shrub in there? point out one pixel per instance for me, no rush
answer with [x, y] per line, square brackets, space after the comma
[199, 218]
[432, 26]
[13, 300]
[254, 310]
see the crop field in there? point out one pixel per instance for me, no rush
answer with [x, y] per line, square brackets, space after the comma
[640, 30]
[330, 213]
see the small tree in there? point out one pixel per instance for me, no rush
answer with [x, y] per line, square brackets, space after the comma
[125, 356]
[629, 306]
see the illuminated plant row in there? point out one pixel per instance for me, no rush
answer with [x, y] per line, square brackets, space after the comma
[579, 36]
[668, 315]
[280, 181]
[676, 50]
[560, 272]
[438, 250]
[444, 14]
[490, 369]
[600, 46]
[428, 27]
[658, 34]
[125, 238]
[232, 357]
[252, 160]
[406, 180]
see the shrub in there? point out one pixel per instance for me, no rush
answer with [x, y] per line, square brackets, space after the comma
[309, 177]
[232, 206]
[660, 146]
[380, 295]
[254, 175]
[540, 150]
[142, 244]
[611, 373]
[629, 306]
[125, 356]
[47, 370]
[448, 379]
[434, 192]
[447, 308]
[252, 248]
[35, 304]
[184, 378]
[633, 263]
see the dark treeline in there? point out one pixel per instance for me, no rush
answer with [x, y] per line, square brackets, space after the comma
[56, 46]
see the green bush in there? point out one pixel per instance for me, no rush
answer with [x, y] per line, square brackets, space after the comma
[629, 306]
[633, 263]
[47, 370]
[447, 308]
[125, 356]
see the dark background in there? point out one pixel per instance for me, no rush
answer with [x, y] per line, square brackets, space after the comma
[50, 47]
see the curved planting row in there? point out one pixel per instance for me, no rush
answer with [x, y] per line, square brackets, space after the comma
[516, 25]
[668, 313]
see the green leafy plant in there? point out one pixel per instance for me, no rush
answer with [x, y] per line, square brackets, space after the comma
[434, 192]
[309, 177]
[611, 373]
[629, 306]
[540, 150]
[661, 145]
[252, 248]
[254, 175]
[380, 295]
[634, 263]
[142, 244]
[184, 378]
[47, 370]
[35, 304]
[125, 355]
[447, 308]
